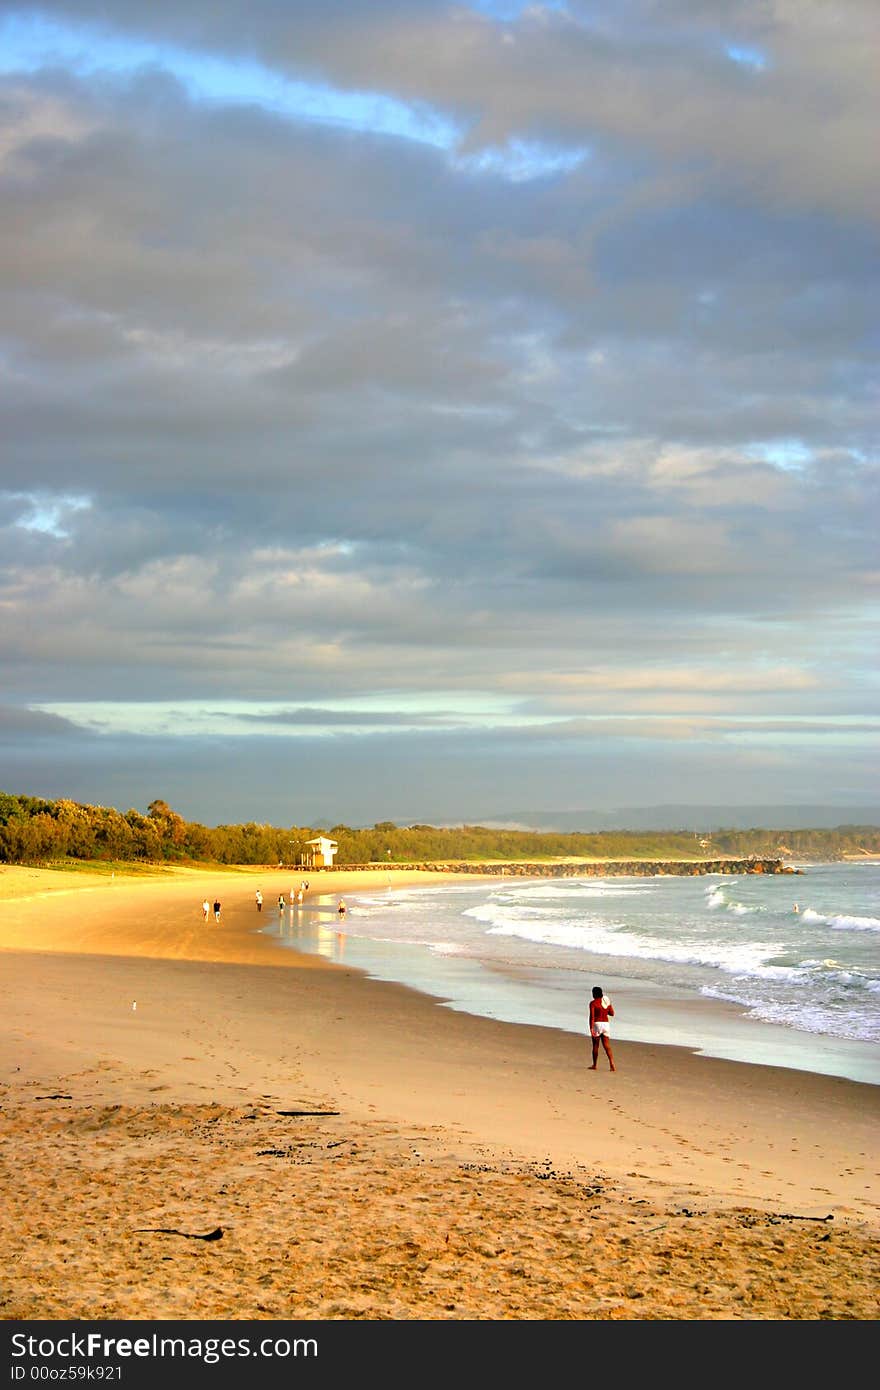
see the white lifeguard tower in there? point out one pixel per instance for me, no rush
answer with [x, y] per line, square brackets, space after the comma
[319, 852]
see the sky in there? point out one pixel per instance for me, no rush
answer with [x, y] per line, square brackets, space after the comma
[427, 411]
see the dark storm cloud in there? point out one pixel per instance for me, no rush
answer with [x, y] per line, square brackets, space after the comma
[427, 777]
[350, 719]
[295, 411]
[19, 725]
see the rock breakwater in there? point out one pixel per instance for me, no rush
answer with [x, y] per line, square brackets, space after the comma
[618, 868]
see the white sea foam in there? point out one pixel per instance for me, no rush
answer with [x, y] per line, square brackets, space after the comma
[835, 972]
[730, 939]
[855, 923]
[593, 888]
[840, 922]
[415, 902]
[499, 913]
[607, 938]
[806, 1017]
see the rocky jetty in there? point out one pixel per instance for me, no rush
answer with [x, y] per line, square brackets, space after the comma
[618, 868]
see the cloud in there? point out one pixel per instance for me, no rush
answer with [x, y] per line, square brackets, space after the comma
[794, 126]
[18, 725]
[549, 374]
[350, 719]
[434, 777]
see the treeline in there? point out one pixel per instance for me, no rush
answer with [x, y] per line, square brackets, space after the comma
[35, 831]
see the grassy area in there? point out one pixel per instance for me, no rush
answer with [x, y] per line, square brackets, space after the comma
[105, 867]
[108, 867]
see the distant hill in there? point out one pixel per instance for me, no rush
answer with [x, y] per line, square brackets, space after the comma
[696, 818]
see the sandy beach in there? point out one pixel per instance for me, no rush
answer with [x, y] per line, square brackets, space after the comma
[359, 1152]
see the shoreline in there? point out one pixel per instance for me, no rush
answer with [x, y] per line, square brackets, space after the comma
[363, 1147]
[707, 1026]
[711, 1026]
[719, 1031]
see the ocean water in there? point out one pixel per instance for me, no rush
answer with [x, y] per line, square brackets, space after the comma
[775, 969]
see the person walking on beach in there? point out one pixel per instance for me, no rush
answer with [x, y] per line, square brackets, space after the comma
[341, 908]
[280, 902]
[259, 900]
[206, 908]
[601, 1010]
[216, 909]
